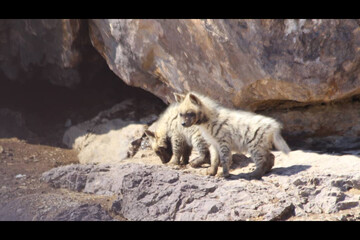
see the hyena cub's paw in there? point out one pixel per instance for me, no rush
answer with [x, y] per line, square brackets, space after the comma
[196, 163]
[263, 168]
[257, 175]
[174, 165]
[269, 162]
[174, 162]
[223, 174]
[211, 171]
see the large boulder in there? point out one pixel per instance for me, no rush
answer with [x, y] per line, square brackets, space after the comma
[242, 63]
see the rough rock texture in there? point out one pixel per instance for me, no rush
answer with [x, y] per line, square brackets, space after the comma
[296, 186]
[83, 212]
[242, 63]
[109, 136]
[320, 120]
[53, 207]
[257, 65]
[159, 193]
[46, 49]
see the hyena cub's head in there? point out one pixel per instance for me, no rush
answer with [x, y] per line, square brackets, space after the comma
[161, 145]
[190, 110]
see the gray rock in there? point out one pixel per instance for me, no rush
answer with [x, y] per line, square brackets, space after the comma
[280, 213]
[75, 179]
[84, 212]
[304, 184]
[158, 193]
[347, 204]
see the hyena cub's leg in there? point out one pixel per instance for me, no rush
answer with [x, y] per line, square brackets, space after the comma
[202, 147]
[225, 155]
[214, 161]
[264, 161]
[186, 154]
[207, 155]
[178, 146]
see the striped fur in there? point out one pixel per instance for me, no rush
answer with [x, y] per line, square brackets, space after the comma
[233, 130]
[173, 143]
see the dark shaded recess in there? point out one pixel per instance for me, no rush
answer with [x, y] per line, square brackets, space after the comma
[45, 107]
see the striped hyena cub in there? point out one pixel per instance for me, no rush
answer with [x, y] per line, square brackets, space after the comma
[173, 143]
[233, 130]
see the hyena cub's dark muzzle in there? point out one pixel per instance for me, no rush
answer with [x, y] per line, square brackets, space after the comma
[165, 153]
[187, 119]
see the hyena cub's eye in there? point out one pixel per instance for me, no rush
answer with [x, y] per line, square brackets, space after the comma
[181, 115]
[160, 150]
[190, 114]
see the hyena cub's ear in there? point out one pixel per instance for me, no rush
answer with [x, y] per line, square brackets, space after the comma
[150, 133]
[179, 97]
[194, 99]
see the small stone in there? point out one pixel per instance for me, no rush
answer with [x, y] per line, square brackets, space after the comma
[346, 204]
[20, 176]
[280, 213]
[299, 182]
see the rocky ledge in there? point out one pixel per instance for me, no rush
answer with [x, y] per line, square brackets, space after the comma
[296, 187]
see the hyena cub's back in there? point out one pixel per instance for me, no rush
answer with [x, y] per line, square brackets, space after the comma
[233, 130]
[171, 142]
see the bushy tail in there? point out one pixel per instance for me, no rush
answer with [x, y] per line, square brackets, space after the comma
[280, 143]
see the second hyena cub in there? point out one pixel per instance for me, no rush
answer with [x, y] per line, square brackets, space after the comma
[173, 143]
[233, 130]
